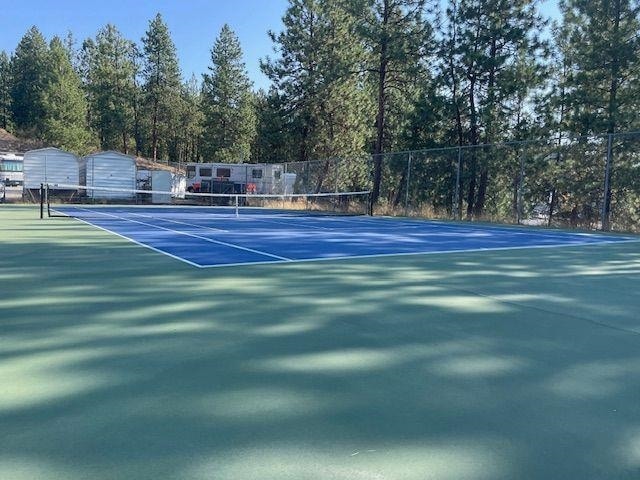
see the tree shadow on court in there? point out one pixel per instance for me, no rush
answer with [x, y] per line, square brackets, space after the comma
[121, 363]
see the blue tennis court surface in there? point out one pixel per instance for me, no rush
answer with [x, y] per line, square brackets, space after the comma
[210, 237]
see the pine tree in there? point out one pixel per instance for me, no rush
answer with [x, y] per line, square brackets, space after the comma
[110, 70]
[185, 143]
[162, 85]
[273, 141]
[320, 85]
[397, 36]
[227, 101]
[5, 91]
[482, 47]
[29, 80]
[602, 92]
[603, 47]
[65, 103]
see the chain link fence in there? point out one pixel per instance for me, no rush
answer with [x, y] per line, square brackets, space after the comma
[590, 182]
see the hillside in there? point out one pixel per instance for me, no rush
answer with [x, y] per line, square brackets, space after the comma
[11, 143]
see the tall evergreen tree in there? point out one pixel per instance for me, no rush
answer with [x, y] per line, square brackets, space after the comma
[185, 143]
[482, 50]
[603, 91]
[110, 71]
[227, 101]
[397, 36]
[273, 142]
[320, 85]
[29, 80]
[603, 46]
[5, 91]
[65, 103]
[162, 85]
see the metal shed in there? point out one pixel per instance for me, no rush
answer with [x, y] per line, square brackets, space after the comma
[109, 170]
[50, 165]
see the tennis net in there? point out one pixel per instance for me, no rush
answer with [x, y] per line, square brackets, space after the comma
[62, 200]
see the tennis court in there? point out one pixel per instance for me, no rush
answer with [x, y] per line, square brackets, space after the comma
[432, 351]
[210, 237]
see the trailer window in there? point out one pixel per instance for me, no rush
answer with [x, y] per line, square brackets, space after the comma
[10, 166]
[191, 171]
[277, 174]
[256, 173]
[205, 171]
[223, 173]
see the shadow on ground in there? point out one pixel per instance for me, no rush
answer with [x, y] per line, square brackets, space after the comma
[117, 362]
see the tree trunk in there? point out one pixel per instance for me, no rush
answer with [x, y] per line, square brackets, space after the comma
[491, 100]
[612, 108]
[482, 192]
[458, 114]
[473, 163]
[382, 101]
[154, 131]
[401, 185]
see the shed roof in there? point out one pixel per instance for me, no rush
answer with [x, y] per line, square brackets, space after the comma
[111, 152]
[51, 149]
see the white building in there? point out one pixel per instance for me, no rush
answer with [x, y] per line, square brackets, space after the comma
[52, 166]
[109, 170]
[162, 181]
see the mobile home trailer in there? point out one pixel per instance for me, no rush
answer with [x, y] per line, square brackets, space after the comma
[258, 178]
[11, 169]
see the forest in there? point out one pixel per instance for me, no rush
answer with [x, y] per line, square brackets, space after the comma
[506, 112]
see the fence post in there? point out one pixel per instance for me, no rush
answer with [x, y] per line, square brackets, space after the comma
[456, 195]
[406, 192]
[520, 188]
[372, 181]
[606, 201]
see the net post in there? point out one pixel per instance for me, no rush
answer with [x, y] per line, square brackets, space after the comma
[237, 207]
[41, 201]
[46, 196]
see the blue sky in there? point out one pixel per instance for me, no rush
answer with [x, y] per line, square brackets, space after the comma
[194, 24]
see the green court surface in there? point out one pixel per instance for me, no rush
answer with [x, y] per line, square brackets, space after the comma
[117, 362]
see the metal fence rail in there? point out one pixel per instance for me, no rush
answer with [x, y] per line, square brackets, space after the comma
[589, 182]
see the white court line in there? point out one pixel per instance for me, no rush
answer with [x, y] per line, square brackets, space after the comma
[282, 260]
[407, 254]
[193, 264]
[238, 247]
[179, 223]
[515, 229]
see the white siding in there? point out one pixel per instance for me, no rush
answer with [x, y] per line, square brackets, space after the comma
[161, 181]
[50, 165]
[109, 170]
